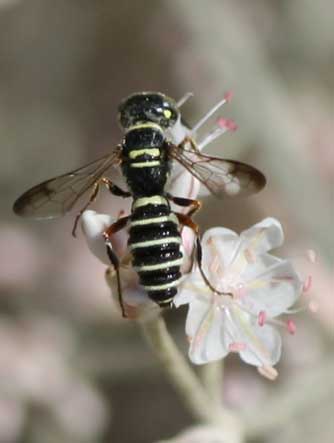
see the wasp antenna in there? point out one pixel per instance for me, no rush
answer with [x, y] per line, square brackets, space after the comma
[184, 99]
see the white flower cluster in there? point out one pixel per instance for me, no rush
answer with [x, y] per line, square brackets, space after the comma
[250, 287]
[253, 288]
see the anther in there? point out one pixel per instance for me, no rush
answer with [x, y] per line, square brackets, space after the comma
[268, 371]
[226, 123]
[228, 96]
[311, 255]
[292, 328]
[307, 284]
[313, 306]
[262, 317]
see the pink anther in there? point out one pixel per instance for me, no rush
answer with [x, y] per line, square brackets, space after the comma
[228, 96]
[226, 123]
[292, 328]
[307, 284]
[262, 317]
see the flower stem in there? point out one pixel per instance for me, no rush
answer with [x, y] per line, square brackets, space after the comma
[186, 383]
[177, 369]
[212, 377]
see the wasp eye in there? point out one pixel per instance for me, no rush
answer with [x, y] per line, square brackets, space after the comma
[167, 113]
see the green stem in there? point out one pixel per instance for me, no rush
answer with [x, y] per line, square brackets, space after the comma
[212, 376]
[186, 383]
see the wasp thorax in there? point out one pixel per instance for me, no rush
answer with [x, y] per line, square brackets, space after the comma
[148, 107]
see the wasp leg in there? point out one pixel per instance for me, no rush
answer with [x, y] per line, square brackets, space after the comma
[112, 229]
[185, 220]
[194, 205]
[191, 141]
[114, 189]
[110, 186]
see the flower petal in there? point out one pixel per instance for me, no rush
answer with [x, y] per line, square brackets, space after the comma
[191, 287]
[262, 344]
[262, 237]
[197, 312]
[93, 225]
[219, 244]
[132, 291]
[204, 326]
[255, 241]
[272, 290]
[263, 348]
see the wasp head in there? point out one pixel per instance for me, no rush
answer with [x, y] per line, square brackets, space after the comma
[148, 107]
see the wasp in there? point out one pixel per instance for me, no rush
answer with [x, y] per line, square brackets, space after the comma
[145, 157]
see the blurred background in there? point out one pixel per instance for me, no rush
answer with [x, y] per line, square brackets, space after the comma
[70, 369]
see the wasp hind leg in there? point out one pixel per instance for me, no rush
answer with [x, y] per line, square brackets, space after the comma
[115, 190]
[193, 205]
[186, 220]
[112, 229]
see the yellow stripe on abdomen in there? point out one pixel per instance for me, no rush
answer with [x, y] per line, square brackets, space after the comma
[153, 152]
[154, 200]
[148, 221]
[148, 164]
[162, 287]
[158, 266]
[157, 242]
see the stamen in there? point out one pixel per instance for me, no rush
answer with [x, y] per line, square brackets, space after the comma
[313, 306]
[262, 317]
[228, 96]
[237, 346]
[250, 256]
[292, 328]
[279, 323]
[209, 114]
[268, 371]
[215, 265]
[307, 284]
[203, 329]
[184, 99]
[311, 255]
[295, 311]
[226, 123]
[209, 138]
[275, 281]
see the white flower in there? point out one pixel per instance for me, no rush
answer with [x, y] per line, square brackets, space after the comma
[257, 288]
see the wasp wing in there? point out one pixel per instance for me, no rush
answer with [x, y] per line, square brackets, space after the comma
[58, 195]
[223, 178]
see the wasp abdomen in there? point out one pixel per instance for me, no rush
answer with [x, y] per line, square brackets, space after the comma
[155, 243]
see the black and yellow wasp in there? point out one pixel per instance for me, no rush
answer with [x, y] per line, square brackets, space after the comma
[145, 157]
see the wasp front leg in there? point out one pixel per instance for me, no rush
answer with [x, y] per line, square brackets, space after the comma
[115, 190]
[189, 140]
[112, 229]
